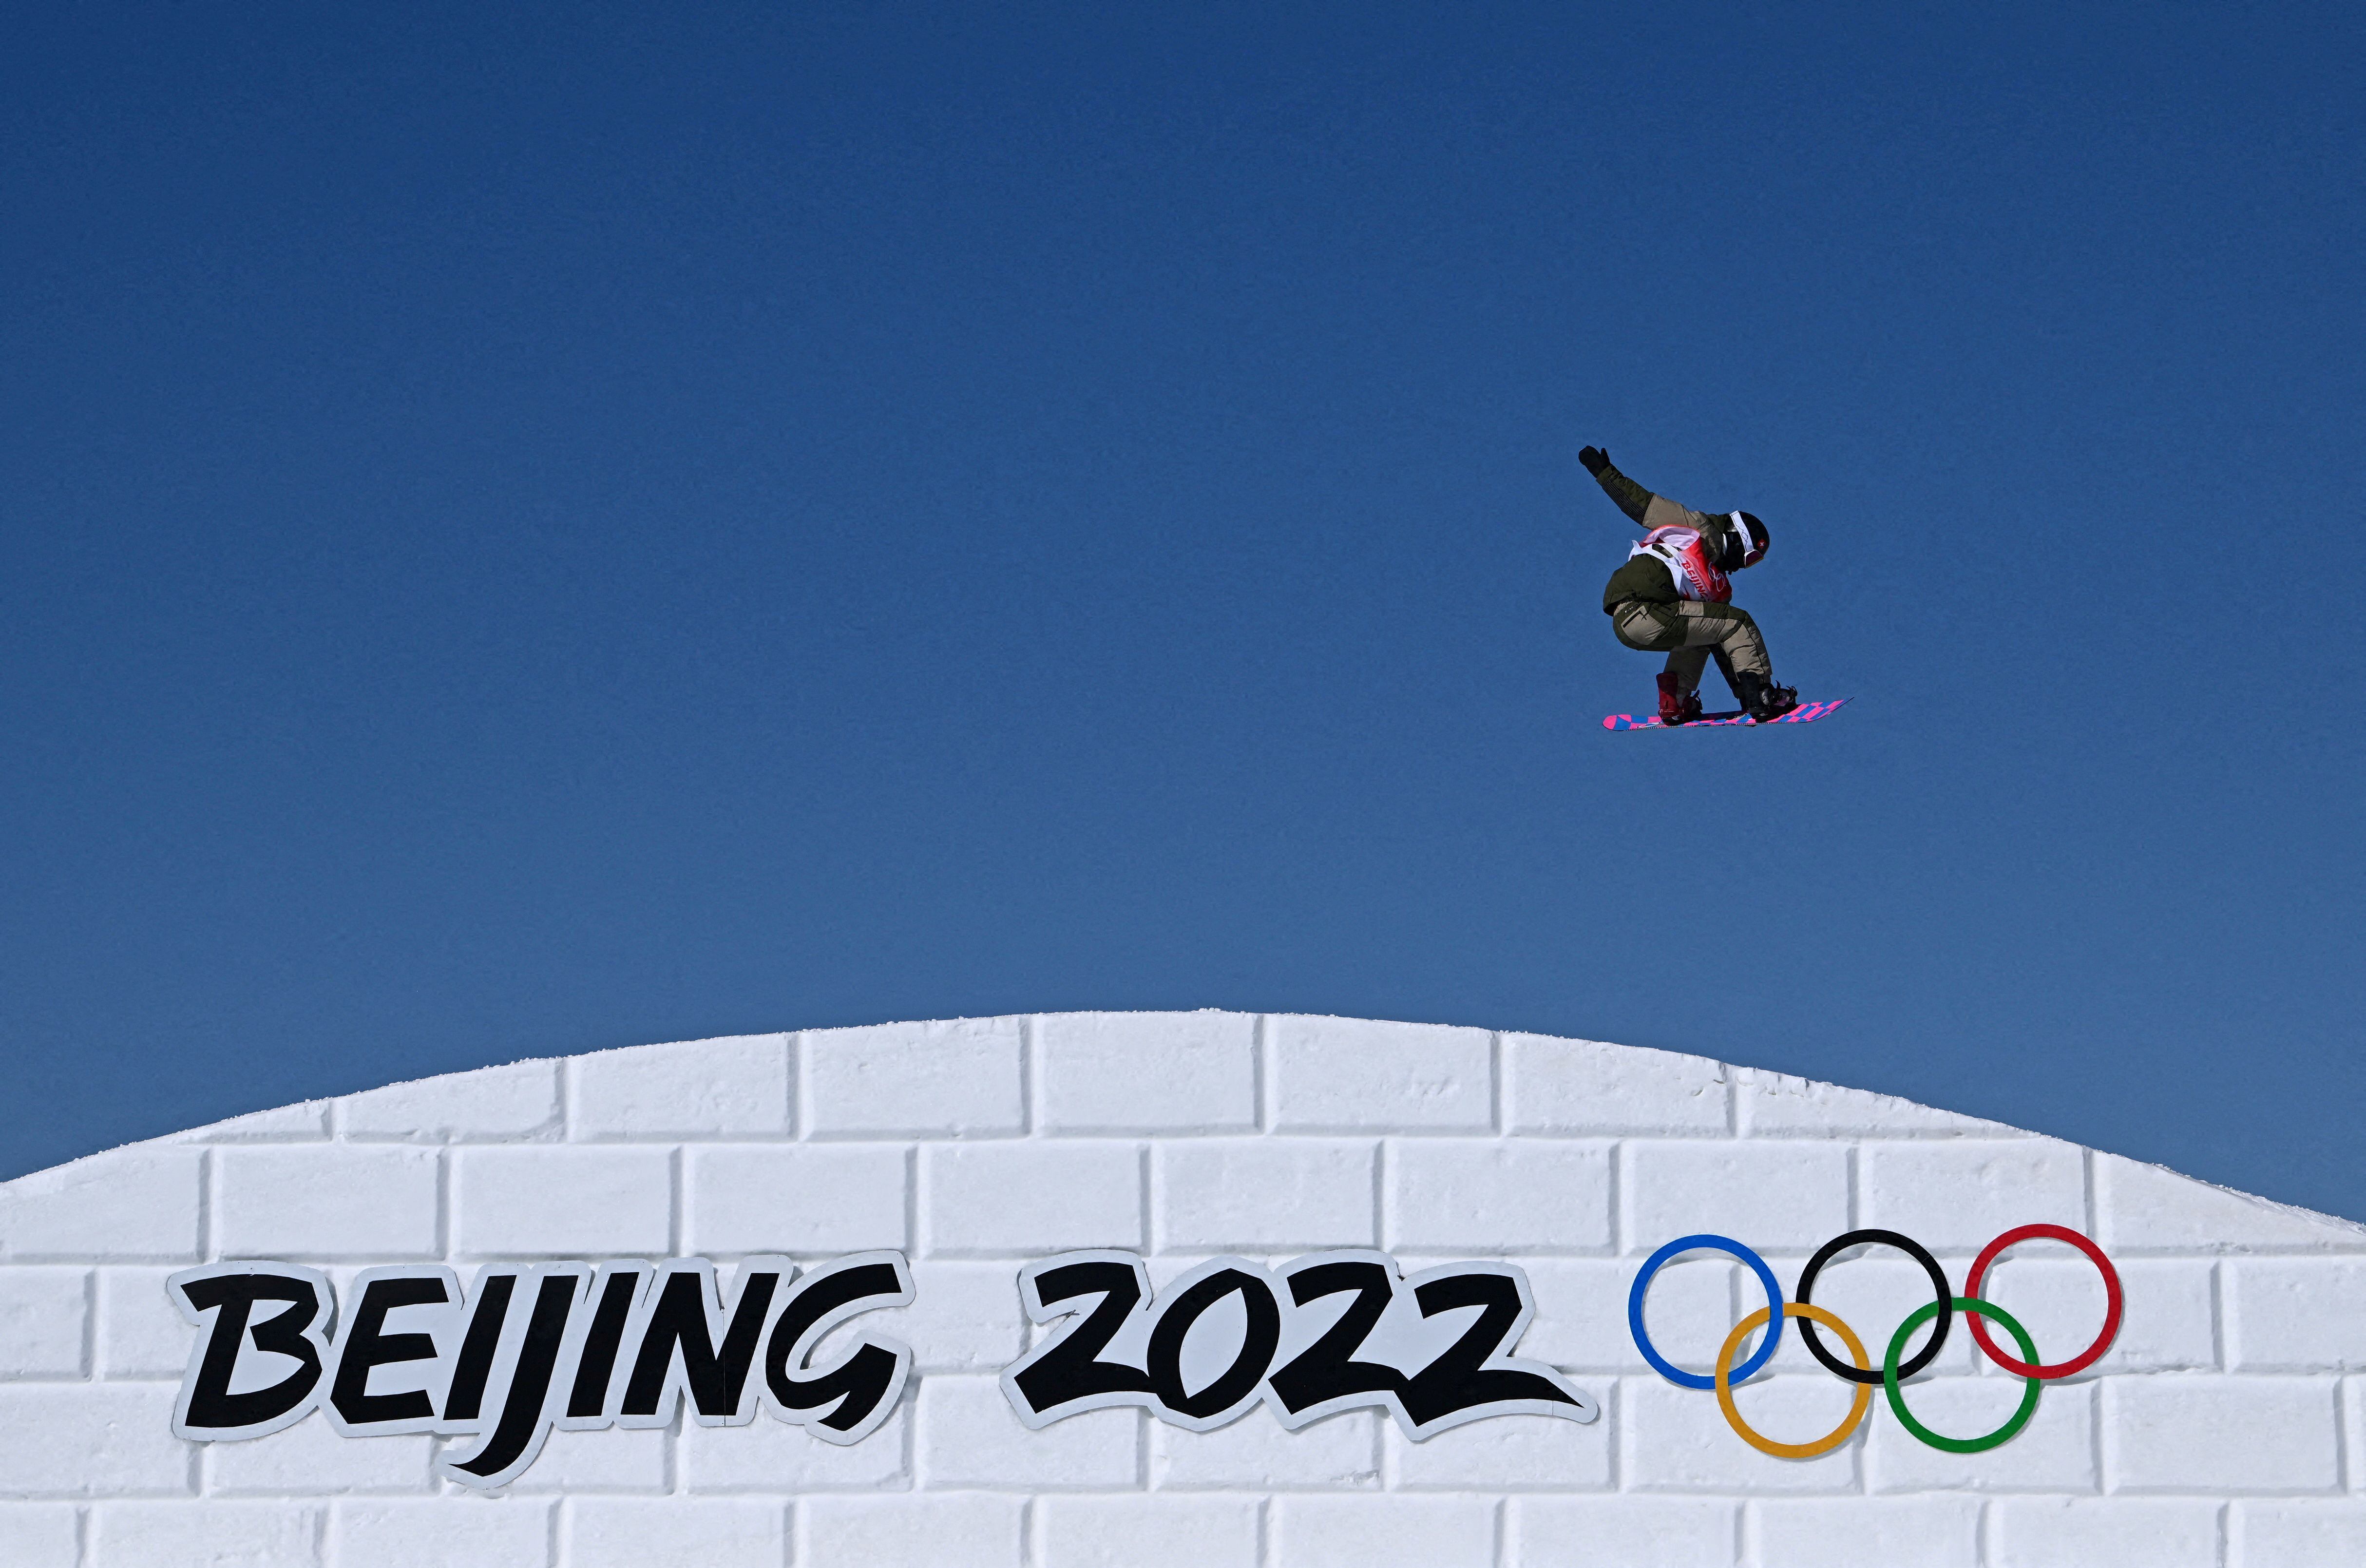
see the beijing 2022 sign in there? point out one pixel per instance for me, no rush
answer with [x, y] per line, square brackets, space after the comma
[530, 1349]
[580, 1346]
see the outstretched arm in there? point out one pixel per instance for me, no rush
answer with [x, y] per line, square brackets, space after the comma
[1632, 499]
[1647, 510]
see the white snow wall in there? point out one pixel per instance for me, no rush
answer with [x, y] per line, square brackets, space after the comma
[2222, 1430]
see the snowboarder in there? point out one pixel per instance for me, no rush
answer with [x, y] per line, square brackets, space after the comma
[1672, 597]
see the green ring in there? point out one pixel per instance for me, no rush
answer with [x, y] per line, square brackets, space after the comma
[2003, 1434]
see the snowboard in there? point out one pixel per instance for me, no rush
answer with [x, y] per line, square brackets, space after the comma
[1805, 713]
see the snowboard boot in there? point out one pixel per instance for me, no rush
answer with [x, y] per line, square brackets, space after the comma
[1763, 700]
[1676, 706]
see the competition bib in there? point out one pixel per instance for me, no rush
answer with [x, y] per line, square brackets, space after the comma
[1685, 555]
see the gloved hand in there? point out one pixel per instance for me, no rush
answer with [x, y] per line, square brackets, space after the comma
[1594, 458]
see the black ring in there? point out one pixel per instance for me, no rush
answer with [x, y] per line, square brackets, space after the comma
[1913, 1249]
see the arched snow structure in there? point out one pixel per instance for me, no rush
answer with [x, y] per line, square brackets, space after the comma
[1448, 1180]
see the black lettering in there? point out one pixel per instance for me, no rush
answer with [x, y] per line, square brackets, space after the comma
[466, 1401]
[1324, 1373]
[1233, 1389]
[588, 1401]
[716, 1378]
[232, 1293]
[368, 1346]
[1064, 1375]
[845, 1403]
[525, 1421]
[1459, 1380]
[1474, 1377]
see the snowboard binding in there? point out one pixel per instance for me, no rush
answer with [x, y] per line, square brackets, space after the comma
[1676, 706]
[1763, 700]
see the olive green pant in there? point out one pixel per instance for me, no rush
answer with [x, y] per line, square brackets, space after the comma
[1688, 632]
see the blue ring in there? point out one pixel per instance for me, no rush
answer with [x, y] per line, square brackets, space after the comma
[1660, 1363]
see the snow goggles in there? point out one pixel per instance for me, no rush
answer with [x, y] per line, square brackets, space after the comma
[1753, 549]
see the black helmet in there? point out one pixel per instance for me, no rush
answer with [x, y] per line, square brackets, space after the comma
[1745, 545]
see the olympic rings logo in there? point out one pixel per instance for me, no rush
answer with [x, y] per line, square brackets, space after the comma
[1941, 1307]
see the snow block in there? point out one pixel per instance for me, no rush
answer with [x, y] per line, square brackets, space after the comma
[735, 1242]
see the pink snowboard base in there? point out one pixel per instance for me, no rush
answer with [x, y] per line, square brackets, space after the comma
[1805, 713]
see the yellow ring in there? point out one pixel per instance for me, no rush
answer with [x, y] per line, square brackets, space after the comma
[1823, 1445]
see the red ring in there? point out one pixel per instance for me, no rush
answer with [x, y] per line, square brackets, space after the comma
[2086, 1357]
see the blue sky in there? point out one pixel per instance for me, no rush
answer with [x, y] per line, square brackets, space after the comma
[542, 528]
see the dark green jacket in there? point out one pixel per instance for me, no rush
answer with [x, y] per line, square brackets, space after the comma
[1643, 578]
